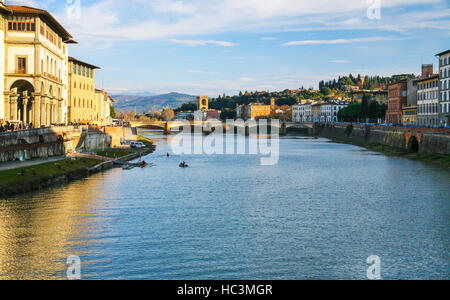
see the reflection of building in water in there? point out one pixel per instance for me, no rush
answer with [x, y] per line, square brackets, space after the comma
[39, 232]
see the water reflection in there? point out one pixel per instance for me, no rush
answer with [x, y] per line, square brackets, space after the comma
[39, 231]
[319, 213]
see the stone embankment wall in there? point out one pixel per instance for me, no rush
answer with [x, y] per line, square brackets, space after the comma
[57, 141]
[422, 140]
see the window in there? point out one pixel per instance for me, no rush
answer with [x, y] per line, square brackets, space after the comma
[21, 26]
[22, 65]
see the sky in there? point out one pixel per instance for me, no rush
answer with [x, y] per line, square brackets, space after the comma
[211, 47]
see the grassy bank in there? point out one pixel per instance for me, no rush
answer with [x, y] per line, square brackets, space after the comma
[30, 178]
[442, 159]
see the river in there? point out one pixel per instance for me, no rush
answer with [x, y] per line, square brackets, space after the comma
[317, 214]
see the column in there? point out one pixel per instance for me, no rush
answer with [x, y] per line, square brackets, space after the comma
[25, 99]
[14, 107]
[43, 112]
[7, 104]
[36, 111]
[48, 111]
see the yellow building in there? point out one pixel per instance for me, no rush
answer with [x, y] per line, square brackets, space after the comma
[82, 108]
[316, 111]
[258, 110]
[202, 103]
[102, 105]
[409, 115]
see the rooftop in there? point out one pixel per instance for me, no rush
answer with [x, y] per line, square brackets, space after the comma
[434, 76]
[45, 15]
[443, 53]
[83, 63]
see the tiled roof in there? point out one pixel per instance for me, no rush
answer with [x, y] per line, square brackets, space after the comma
[45, 15]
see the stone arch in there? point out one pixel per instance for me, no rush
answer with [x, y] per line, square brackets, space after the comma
[23, 107]
[22, 85]
[50, 90]
[413, 144]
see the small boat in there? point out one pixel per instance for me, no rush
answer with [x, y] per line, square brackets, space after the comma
[184, 165]
[143, 164]
[128, 167]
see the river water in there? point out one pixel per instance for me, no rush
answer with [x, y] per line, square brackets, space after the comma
[317, 214]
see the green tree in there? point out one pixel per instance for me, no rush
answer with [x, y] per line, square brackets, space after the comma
[112, 112]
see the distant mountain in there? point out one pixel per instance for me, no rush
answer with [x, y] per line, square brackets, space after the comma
[125, 103]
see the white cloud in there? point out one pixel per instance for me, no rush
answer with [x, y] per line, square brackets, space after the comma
[162, 19]
[195, 43]
[339, 61]
[177, 7]
[343, 41]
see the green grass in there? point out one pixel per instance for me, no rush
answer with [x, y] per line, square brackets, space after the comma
[29, 174]
[114, 154]
[441, 159]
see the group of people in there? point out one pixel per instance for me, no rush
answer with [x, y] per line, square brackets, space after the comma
[7, 126]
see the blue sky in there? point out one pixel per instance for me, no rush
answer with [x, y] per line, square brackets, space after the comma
[210, 47]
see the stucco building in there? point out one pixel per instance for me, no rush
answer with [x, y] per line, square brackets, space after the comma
[33, 60]
[81, 91]
[444, 87]
[428, 108]
[329, 111]
[102, 108]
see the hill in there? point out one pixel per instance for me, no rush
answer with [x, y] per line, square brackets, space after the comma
[125, 103]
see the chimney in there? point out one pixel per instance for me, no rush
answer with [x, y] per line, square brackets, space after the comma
[427, 70]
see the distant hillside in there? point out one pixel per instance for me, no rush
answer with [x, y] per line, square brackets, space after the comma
[125, 103]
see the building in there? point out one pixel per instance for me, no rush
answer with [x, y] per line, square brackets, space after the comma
[409, 115]
[102, 108]
[329, 111]
[202, 103]
[397, 99]
[253, 111]
[315, 111]
[444, 87]
[380, 96]
[302, 113]
[33, 57]
[81, 92]
[412, 92]
[212, 114]
[428, 108]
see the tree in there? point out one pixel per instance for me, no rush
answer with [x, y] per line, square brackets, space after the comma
[168, 114]
[326, 91]
[112, 112]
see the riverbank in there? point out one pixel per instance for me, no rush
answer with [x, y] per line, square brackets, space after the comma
[441, 159]
[37, 177]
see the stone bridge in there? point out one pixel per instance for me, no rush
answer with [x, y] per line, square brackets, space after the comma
[168, 126]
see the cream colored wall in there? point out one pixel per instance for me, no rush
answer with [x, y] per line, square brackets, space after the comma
[15, 51]
[2, 67]
[80, 113]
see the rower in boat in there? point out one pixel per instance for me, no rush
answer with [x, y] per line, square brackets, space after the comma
[184, 165]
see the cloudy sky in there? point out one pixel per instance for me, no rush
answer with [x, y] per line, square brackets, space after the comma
[212, 47]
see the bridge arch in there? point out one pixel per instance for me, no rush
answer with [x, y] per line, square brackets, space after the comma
[413, 144]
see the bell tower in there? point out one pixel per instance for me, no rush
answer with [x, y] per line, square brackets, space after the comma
[202, 103]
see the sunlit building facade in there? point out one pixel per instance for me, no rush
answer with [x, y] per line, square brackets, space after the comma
[33, 55]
